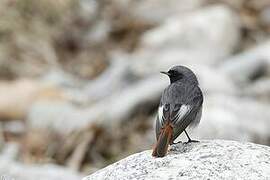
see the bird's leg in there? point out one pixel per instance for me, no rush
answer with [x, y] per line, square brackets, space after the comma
[172, 143]
[189, 140]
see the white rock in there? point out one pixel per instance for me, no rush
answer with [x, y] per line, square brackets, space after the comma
[111, 111]
[58, 77]
[163, 60]
[217, 159]
[14, 127]
[63, 117]
[12, 170]
[212, 30]
[259, 89]
[99, 32]
[204, 37]
[210, 81]
[229, 117]
[10, 151]
[88, 9]
[243, 66]
[156, 11]
[113, 79]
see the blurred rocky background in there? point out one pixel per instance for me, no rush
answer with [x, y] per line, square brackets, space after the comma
[80, 82]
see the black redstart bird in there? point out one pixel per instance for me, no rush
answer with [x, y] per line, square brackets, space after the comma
[180, 106]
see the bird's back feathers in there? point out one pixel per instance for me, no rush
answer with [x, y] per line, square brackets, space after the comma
[184, 101]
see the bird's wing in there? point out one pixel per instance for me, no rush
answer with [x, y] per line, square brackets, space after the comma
[180, 113]
[187, 113]
[175, 116]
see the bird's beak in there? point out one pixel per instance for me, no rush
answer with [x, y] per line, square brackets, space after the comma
[163, 72]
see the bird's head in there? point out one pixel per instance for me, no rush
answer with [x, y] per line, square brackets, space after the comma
[181, 73]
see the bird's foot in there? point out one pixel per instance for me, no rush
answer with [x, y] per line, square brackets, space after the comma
[191, 141]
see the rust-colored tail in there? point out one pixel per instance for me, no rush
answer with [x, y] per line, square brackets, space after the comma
[164, 139]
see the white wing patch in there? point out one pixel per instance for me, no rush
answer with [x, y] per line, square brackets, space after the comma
[182, 112]
[184, 109]
[160, 114]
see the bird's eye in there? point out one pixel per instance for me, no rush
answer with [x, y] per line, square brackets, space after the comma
[175, 73]
[172, 72]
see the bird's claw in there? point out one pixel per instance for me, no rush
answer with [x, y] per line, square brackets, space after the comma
[191, 141]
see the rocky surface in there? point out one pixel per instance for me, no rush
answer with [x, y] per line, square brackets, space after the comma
[217, 159]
